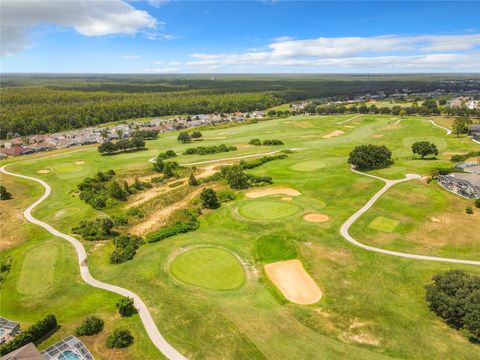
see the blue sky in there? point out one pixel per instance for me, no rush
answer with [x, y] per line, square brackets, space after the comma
[160, 36]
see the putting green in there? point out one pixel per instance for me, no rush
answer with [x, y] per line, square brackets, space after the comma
[209, 268]
[306, 166]
[267, 209]
[383, 224]
[38, 270]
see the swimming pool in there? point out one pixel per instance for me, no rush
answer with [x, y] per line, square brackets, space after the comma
[68, 355]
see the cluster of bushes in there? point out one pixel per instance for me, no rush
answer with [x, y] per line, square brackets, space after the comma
[90, 326]
[260, 161]
[166, 155]
[5, 268]
[257, 142]
[279, 113]
[122, 145]
[125, 248]
[238, 179]
[443, 171]
[33, 334]
[455, 297]
[206, 150]
[463, 157]
[186, 222]
[98, 229]
[4, 194]
[424, 148]
[120, 338]
[185, 137]
[166, 167]
[370, 157]
[94, 191]
[145, 134]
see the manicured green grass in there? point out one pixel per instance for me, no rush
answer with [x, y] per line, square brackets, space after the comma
[383, 224]
[209, 268]
[272, 248]
[38, 270]
[250, 323]
[267, 209]
[309, 166]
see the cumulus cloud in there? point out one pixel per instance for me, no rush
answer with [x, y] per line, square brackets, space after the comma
[387, 52]
[89, 18]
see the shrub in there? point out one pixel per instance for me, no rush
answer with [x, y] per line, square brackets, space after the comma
[205, 150]
[90, 326]
[272, 142]
[455, 297]
[196, 135]
[469, 210]
[260, 161]
[125, 248]
[134, 211]
[101, 228]
[4, 194]
[235, 176]
[225, 196]
[126, 307]
[33, 334]
[184, 137]
[477, 203]
[424, 148]
[166, 155]
[192, 180]
[255, 142]
[209, 198]
[370, 157]
[120, 338]
[186, 221]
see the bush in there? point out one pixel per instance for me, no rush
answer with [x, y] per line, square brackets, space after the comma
[209, 199]
[166, 155]
[424, 148]
[186, 221]
[33, 334]
[477, 203]
[126, 307]
[192, 180]
[125, 248]
[4, 194]
[260, 161]
[235, 177]
[97, 229]
[469, 210]
[90, 326]
[196, 135]
[370, 157]
[120, 338]
[225, 196]
[206, 150]
[255, 142]
[184, 137]
[134, 211]
[455, 297]
[272, 142]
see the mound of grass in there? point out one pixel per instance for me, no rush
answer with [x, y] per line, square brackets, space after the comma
[209, 268]
[307, 166]
[384, 224]
[273, 248]
[267, 209]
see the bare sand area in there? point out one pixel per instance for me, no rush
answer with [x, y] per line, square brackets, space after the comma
[316, 217]
[272, 191]
[294, 282]
[333, 134]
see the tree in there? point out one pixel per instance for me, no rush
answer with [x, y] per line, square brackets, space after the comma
[123, 144]
[4, 194]
[170, 154]
[90, 326]
[115, 191]
[107, 147]
[196, 135]
[235, 177]
[402, 113]
[369, 157]
[126, 307]
[192, 180]
[209, 198]
[137, 143]
[169, 169]
[255, 142]
[460, 125]
[271, 113]
[120, 338]
[424, 148]
[184, 137]
[159, 164]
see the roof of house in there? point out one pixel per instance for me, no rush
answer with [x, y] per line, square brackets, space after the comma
[473, 179]
[27, 352]
[13, 151]
[475, 127]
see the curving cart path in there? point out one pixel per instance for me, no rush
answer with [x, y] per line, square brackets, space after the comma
[388, 184]
[441, 127]
[158, 340]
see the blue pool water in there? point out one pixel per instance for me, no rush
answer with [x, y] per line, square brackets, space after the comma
[68, 355]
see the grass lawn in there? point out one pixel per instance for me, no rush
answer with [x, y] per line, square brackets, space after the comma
[383, 224]
[373, 305]
[209, 268]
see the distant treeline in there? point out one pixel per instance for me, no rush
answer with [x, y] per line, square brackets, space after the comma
[39, 105]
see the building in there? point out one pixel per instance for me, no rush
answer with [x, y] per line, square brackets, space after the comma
[463, 184]
[474, 131]
[8, 329]
[27, 352]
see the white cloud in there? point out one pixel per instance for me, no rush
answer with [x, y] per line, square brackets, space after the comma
[377, 53]
[157, 3]
[131, 57]
[89, 18]
[153, 35]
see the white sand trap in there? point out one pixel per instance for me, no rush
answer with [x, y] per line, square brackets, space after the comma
[294, 282]
[286, 198]
[79, 162]
[377, 135]
[275, 191]
[316, 217]
[333, 134]
[43, 171]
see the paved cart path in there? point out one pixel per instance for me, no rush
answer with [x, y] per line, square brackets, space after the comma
[158, 340]
[388, 184]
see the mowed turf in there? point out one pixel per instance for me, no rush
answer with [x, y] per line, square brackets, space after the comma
[383, 224]
[209, 268]
[309, 166]
[354, 320]
[267, 209]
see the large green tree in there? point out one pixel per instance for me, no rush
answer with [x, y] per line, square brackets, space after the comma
[424, 148]
[369, 157]
[209, 198]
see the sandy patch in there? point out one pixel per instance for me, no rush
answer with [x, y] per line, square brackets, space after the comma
[214, 138]
[377, 135]
[286, 198]
[144, 196]
[333, 134]
[275, 191]
[79, 162]
[316, 217]
[365, 338]
[43, 171]
[350, 126]
[243, 146]
[294, 282]
[209, 170]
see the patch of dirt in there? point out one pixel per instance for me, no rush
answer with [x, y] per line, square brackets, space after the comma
[294, 282]
[350, 126]
[243, 146]
[334, 134]
[377, 135]
[286, 198]
[364, 338]
[209, 170]
[144, 196]
[271, 191]
[318, 218]
[43, 171]
[79, 162]
[215, 138]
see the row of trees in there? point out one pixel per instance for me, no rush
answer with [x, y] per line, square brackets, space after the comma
[121, 145]
[185, 137]
[258, 142]
[206, 150]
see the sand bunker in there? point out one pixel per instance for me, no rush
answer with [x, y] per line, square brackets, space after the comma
[275, 191]
[294, 282]
[43, 171]
[316, 217]
[333, 134]
[286, 198]
[79, 162]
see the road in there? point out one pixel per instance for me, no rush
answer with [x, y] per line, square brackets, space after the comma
[388, 184]
[158, 340]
